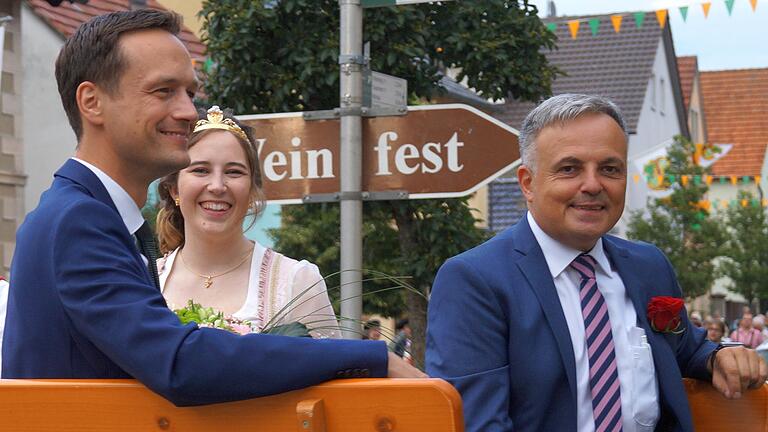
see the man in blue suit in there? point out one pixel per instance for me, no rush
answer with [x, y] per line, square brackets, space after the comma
[545, 326]
[83, 303]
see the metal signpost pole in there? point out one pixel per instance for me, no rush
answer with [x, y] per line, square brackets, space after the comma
[351, 60]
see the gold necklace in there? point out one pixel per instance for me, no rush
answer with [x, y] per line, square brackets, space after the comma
[208, 279]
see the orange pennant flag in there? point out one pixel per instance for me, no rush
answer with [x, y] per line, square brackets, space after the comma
[765, 202]
[708, 179]
[636, 178]
[684, 178]
[661, 16]
[705, 7]
[754, 4]
[757, 180]
[616, 20]
[724, 203]
[734, 180]
[744, 203]
[574, 26]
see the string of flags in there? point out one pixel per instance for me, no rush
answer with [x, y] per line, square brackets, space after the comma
[639, 18]
[667, 180]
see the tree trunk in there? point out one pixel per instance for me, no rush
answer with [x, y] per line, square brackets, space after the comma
[417, 304]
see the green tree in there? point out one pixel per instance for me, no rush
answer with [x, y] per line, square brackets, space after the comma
[681, 225]
[745, 255]
[282, 55]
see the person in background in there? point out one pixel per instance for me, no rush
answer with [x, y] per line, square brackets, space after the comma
[758, 322]
[696, 319]
[209, 260]
[715, 330]
[746, 333]
[372, 330]
[401, 344]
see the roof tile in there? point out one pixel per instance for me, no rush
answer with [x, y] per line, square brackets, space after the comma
[66, 17]
[736, 112]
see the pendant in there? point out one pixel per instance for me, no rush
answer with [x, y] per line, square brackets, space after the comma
[208, 282]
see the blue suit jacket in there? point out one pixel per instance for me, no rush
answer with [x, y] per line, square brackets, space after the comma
[497, 332]
[83, 305]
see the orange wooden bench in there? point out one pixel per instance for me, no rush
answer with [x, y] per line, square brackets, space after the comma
[355, 405]
[711, 411]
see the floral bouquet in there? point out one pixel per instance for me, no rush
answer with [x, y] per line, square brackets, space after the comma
[209, 317]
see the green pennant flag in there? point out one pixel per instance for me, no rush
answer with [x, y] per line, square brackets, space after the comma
[755, 203]
[729, 5]
[745, 179]
[552, 27]
[639, 18]
[722, 180]
[684, 12]
[671, 178]
[734, 203]
[697, 180]
[594, 24]
[696, 227]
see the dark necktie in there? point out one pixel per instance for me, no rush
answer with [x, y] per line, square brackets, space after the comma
[147, 247]
[603, 373]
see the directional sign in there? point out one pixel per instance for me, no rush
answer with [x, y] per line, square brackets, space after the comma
[434, 151]
[378, 3]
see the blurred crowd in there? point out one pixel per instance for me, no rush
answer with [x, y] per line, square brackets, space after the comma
[748, 330]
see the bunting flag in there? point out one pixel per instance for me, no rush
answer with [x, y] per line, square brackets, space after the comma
[616, 20]
[552, 27]
[684, 12]
[639, 18]
[574, 26]
[661, 17]
[594, 25]
[705, 7]
[754, 4]
[729, 6]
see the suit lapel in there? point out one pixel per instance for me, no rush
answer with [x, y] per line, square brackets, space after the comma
[534, 267]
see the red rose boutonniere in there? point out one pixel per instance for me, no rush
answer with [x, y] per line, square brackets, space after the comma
[664, 314]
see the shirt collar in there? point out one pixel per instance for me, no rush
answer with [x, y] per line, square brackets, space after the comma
[560, 256]
[126, 206]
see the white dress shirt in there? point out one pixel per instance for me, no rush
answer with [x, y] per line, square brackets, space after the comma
[126, 206]
[639, 400]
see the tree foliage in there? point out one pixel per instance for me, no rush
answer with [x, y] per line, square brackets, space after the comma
[745, 255]
[282, 55]
[681, 225]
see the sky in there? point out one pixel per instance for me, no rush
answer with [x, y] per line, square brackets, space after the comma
[720, 41]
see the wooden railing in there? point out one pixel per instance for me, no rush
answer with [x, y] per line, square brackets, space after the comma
[355, 405]
[376, 405]
[711, 411]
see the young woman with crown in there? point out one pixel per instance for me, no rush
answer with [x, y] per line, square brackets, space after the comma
[209, 260]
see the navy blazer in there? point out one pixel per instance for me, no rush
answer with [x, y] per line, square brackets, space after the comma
[497, 332]
[83, 305]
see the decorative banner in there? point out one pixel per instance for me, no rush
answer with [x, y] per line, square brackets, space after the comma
[574, 26]
[661, 17]
[684, 12]
[653, 166]
[639, 18]
[707, 154]
[705, 7]
[616, 20]
[594, 24]
[729, 6]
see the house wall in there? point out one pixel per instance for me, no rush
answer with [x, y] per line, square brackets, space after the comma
[696, 124]
[657, 124]
[11, 132]
[49, 140]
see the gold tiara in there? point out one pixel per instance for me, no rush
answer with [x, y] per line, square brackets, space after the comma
[216, 120]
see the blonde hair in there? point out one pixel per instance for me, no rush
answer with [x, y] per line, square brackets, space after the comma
[170, 221]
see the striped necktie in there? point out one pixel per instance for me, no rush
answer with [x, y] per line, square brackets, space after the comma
[603, 374]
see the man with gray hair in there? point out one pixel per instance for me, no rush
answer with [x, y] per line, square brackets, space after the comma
[553, 325]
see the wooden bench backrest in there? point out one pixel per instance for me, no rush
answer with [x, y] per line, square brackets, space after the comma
[376, 405]
[711, 411]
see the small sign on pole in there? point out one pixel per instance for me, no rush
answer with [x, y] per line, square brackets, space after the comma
[384, 91]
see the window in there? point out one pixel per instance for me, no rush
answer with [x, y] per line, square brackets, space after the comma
[653, 92]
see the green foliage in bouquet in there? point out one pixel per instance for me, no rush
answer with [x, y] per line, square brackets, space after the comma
[203, 316]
